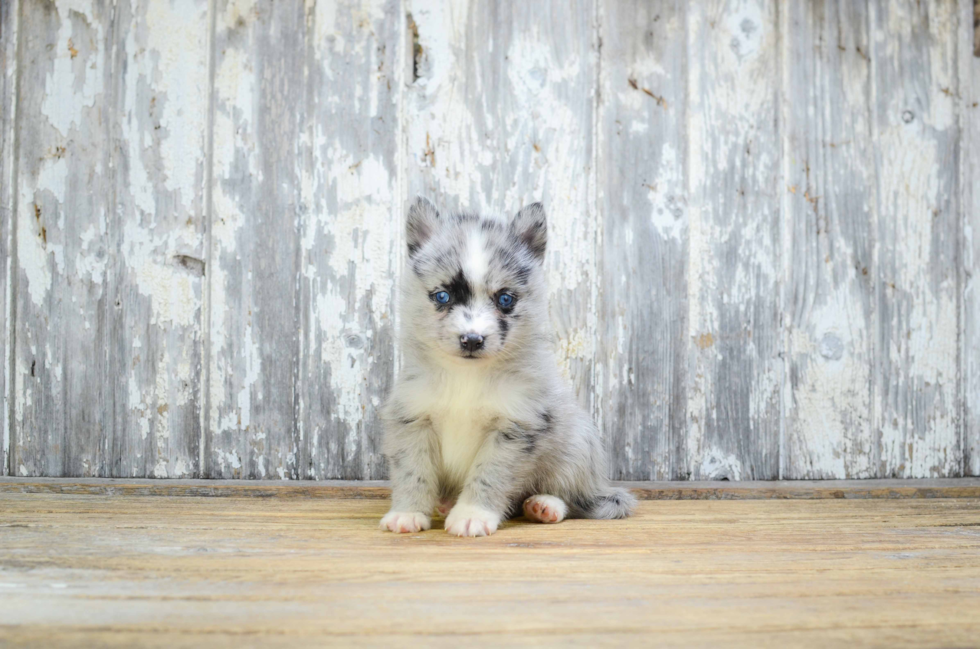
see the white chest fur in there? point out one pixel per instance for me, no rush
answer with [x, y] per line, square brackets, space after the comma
[461, 433]
[464, 406]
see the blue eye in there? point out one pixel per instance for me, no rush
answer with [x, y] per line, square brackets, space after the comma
[505, 300]
[442, 297]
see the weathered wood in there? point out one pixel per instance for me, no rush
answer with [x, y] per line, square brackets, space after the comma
[259, 123]
[110, 239]
[305, 205]
[743, 287]
[66, 179]
[914, 83]
[829, 202]
[8, 111]
[968, 100]
[976, 28]
[226, 572]
[642, 334]
[499, 114]
[735, 367]
[372, 489]
[156, 238]
[352, 223]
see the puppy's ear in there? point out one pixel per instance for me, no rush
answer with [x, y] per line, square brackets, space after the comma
[423, 219]
[531, 227]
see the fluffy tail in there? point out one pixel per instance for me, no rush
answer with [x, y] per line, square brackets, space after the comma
[611, 502]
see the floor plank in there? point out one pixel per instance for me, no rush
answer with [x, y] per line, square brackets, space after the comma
[82, 570]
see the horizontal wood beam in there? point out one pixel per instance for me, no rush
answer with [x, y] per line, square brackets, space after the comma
[379, 489]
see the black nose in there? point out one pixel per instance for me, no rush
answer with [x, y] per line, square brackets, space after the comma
[471, 342]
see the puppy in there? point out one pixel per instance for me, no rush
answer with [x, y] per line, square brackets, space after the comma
[480, 421]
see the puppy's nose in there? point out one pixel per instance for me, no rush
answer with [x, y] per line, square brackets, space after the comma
[471, 342]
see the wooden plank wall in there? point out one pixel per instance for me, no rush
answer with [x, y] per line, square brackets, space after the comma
[969, 96]
[829, 200]
[762, 246]
[8, 105]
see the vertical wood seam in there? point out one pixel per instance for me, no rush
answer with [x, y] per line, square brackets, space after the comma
[962, 71]
[305, 212]
[307, 165]
[969, 164]
[681, 436]
[595, 403]
[876, 429]
[958, 250]
[785, 214]
[204, 442]
[401, 176]
[405, 62]
[110, 163]
[688, 336]
[781, 337]
[7, 465]
[681, 373]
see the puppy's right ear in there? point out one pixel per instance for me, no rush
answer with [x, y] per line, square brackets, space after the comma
[423, 219]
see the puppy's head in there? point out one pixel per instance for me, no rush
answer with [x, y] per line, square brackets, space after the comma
[476, 289]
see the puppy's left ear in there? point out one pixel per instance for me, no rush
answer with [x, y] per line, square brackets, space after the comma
[530, 225]
[422, 222]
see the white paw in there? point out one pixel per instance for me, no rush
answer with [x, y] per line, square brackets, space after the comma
[545, 509]
[405, 522]
[470, 520]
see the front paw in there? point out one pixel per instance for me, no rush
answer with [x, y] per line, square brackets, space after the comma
[471, 520]
[405, 522]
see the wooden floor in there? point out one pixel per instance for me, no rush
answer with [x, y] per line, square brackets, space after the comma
[189, 571]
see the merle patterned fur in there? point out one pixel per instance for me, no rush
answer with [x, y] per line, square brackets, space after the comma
[482, 427]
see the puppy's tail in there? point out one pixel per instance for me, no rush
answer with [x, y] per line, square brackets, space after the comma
[609, 502]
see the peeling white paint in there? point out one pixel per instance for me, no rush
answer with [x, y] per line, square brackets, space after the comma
[483, 136]
[76, 80]
[173, 292]
[731, 81]
[253, 367]
[718, 465]
[666, 207]
[177, 48]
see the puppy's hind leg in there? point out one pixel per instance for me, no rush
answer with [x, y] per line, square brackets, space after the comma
[542, 508]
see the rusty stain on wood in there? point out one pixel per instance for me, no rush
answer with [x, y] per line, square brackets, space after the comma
[705, 340]
[660, 100]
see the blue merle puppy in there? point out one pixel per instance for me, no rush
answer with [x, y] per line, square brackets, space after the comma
[480, 422]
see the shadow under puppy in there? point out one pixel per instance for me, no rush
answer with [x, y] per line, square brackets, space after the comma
[480, 421]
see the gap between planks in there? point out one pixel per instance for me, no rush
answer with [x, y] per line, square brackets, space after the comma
[380, 489]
